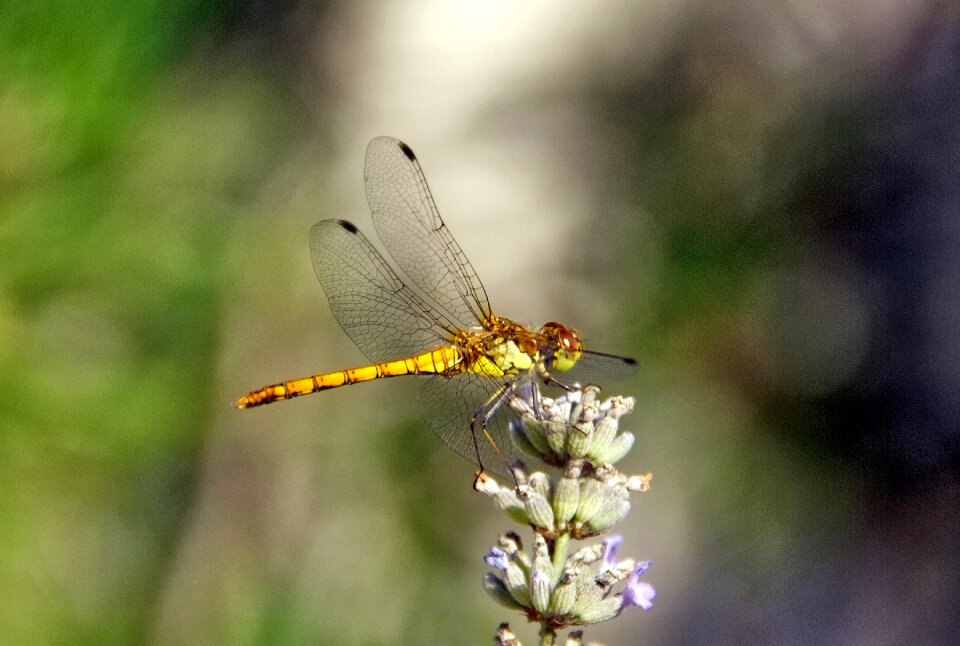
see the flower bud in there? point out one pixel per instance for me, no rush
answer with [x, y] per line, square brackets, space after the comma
[567, 495]
[588, 594]
[609, 514]
[510, 543]
[591, 495]
[561, 407]
[538, 510]
[521, 439]
[603, 433]
[505, 636]
[515, 581]
[617, 449]
[508, 501]
[556, 434]
[640, 483]
[564, 594]
[620, 406]
[512, 546]
[541, 575]
[497, 589]
[579, 439]
[587, 555]
[600, 611]
[486, 484]
[540, 483]
[540, 590]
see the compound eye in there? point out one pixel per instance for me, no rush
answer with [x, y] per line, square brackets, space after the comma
[568, 340]
[568, 349]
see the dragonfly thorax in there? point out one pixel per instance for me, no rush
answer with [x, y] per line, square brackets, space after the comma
[503, 347]
[511, 356]
[500, 348]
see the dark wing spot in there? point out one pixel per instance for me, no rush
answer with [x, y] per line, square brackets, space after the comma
[349, 226]
[629, 361]
[405, 149]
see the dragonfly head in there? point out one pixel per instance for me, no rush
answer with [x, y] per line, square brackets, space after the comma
[565, 343]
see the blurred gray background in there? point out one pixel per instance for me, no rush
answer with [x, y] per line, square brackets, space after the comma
[758, 200]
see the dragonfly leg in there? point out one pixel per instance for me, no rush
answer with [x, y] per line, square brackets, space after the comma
[547, 379]
[483, 416]
[535, 399]
[550, 381]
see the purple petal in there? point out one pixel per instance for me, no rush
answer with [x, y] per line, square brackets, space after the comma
[610, 548]
[497, 558]
[640, 568]
[638, 593]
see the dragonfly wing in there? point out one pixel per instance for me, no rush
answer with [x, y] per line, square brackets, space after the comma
[384, 317]
[598, 368]
[448, 403]
[409, 225]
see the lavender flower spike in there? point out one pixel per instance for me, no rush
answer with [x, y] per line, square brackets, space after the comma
[580, 436]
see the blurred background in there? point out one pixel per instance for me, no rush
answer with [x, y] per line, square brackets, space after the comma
[758, 200]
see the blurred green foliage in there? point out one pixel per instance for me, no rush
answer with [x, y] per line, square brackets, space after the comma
[126, 158]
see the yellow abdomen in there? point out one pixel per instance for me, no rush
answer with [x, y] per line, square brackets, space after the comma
[441, 361]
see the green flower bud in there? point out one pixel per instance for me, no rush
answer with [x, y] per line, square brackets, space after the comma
[497, 589]
[580, 411]
[608, 515]
[579, 439]
[588, 595]
[538, 510]
[566, 496]
[540, 589]
[615, 450]
[564, 594]
[521, 439]
[508, 501]
[556, 434]
[516, 583]
[541, 575]
[591, 496]
[540, 483]
[541, 556]
[537, 434]
[603, 433]
[576, 407]
[599, 611]
[590, 410]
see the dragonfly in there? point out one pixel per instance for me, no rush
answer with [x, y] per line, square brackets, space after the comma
[437, 325]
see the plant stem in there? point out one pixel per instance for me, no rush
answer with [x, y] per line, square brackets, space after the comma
[548, 637]
[560, 554]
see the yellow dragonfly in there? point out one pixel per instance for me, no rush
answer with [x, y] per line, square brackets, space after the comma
[439, 324]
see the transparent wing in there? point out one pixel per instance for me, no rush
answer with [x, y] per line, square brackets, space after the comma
[448, 403]
[409, 225]
[385, 318]
[597, 368]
